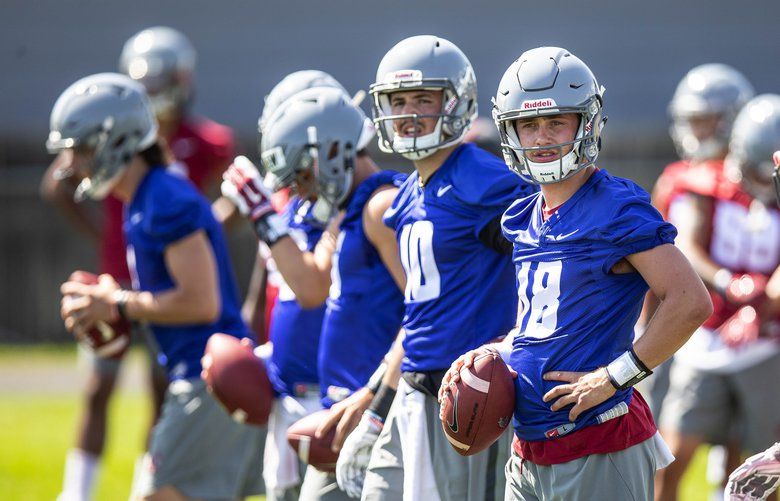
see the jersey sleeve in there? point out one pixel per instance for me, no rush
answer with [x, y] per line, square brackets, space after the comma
[170, 222]
[489, 188]
[635, 227]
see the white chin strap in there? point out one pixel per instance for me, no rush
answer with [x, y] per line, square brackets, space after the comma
[424, 146]
[552, 172]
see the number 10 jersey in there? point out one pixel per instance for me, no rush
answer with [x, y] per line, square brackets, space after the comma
[459, 293]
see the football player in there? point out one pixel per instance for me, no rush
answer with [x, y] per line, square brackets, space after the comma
[315, 142]
[460, 286]
[163, 60]
[585, 249]
[294, 331]
[703, 109]
[105, 125]
[724, 375]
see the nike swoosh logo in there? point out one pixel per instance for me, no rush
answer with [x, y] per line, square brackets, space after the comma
[454, 424]
[444, 189]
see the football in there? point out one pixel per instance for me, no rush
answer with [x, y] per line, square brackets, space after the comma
[477, 409]
[312, 450]
[237, 379]
[106, 340]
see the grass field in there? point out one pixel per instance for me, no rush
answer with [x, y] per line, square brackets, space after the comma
[39, 406]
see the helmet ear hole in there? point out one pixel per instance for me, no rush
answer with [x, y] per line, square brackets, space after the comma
[334, 150]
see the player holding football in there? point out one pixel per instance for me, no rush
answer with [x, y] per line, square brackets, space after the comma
[105, 125]
[460, 287]
[586, 249]
[315, 142]
[294, 330]
[163, 60]
[722, 377]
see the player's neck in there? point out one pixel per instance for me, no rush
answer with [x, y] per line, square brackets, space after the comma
[557, 194]
[428, 166]
[127, 185]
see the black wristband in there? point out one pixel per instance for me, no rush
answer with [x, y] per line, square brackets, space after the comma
[121, 305]
[383, 399]
[270, 228]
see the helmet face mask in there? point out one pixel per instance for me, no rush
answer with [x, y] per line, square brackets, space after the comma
[710, 90]
[106, 118]
[424, 63]
[545, 82]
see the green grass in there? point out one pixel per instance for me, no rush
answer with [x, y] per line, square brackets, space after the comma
[37, 427]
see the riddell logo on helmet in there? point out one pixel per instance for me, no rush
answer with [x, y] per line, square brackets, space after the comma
[404, 75]
[539, 103]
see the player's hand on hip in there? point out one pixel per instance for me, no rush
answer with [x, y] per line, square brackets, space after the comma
[757, 478]
[355, 454]
[583, 390]
[345, 415]
[242, 185]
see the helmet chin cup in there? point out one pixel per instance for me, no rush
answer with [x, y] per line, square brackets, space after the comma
[418, 147]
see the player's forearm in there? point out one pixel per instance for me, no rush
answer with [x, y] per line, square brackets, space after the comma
[306, 277]
[394, 358]
[679, 314]
[173, 307]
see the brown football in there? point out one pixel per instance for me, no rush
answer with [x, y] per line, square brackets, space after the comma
[105, 339]
[477, 409]
[312, 450]
[238, 379]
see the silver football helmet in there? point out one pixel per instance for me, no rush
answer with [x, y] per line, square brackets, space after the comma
[109, 113]
[292, 84]
[163, 60]
[549, 81]
[316, 130]
[430, 63]
[754, 138]
[708, 90]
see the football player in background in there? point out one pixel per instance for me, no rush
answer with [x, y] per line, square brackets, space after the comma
[724, 379]
[163, 60]
[294, 331]
[105, 126]
[759, 476]
[315, 142]
[460, 286]
[585, 249]
[703, 109]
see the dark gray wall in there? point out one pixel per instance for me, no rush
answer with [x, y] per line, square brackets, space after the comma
[639, 50]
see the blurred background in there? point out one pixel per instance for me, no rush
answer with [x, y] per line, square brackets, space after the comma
[638, 50]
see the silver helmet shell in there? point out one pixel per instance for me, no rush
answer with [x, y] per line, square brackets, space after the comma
[430, 63]
[109, 113]
[163, 60]
[549, 81]
[292, 84]
[754, 138]
[707, 90]
[316, 130]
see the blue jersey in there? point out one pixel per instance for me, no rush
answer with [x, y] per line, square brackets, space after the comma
[164, 210]
[294, 331]
[575, 314]
[459, 293]
[365, 306]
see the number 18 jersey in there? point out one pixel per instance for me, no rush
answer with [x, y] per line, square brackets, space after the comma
[575, 314]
